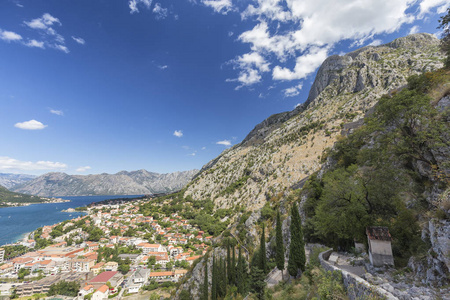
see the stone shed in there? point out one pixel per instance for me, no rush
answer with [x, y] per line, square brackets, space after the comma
[380, 249]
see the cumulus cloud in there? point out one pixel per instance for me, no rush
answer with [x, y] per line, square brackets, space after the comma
[133, 5]
[427, 5]
[251, 65]
[34, 43]
[304, 31]
[44, 22]
[304, 65]
[219, 6]
[293, 91]
[30, 125]
[9, 36]
[226, 143]
[83, 169]
[57, 112]
[376, 43]
[163, 67]
[178, 133]
[79, 40]
[10, 164]
[45, 26]
[161, 13]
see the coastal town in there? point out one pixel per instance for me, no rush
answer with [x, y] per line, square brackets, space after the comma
[112, 251]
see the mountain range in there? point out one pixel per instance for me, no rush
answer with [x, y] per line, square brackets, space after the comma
[9, 180]
[122, 183]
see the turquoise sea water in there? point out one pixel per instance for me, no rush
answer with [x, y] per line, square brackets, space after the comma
[16, 222]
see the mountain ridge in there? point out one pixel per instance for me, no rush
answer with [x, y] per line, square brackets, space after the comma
[121, 183]
[285, 148]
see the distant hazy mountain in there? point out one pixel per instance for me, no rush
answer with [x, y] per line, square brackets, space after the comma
[10, 180]
[122, 183]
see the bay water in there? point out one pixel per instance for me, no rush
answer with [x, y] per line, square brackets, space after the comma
[16, 222]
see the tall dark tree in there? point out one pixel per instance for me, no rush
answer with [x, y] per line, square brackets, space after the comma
[204, 295]
[297, 257]
[262, 252]
[214, 280]
[444, 23]
[279, 244]
[233, 266]
[258, 283]
[229, 267]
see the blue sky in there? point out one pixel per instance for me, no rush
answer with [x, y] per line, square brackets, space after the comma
[94, 86]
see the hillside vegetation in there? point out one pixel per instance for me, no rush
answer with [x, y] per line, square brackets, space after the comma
[8, 198]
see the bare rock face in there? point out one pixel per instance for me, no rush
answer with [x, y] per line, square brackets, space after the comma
[122, 183]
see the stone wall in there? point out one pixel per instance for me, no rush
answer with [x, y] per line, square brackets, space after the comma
[357, 288]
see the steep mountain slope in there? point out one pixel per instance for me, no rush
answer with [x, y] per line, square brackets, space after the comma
[285, 148]
[122, 183]
[9, 180]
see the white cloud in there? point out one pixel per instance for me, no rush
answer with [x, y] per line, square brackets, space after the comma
[79, 40]
[30, 125]
[62, 48]
[133, 5]
[161, 13]
[178, 133]
[427, 5]
[52, 38]
[304, 65]
[43, 22]
[11, 164]
[34, 43]
[226, 143]
[203, 148]
[57, 112]
[373, 43]
[193, 153]
[230, 33]
[219, 6]
[9, 36]
[414, 29]
[293, 91]
[304, 31]
[250, 66]
[163, 67]
[83, 169]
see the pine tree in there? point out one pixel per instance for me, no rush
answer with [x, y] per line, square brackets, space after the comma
[263, 258]
[279, 244]
[214, 280]
[297, 257]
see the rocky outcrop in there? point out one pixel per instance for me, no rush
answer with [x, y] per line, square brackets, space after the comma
[122, 183]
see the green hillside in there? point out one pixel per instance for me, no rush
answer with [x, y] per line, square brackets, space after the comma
[8, 198]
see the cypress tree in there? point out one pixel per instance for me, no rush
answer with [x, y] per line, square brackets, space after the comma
[205, 282]
[229, 272]
[224, 278]
[279, 244]
[233, 266]
[263, 258]
[240, 274]
[214, 280]
[297, 257]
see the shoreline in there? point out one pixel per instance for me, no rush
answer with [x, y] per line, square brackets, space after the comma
[17, 204]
